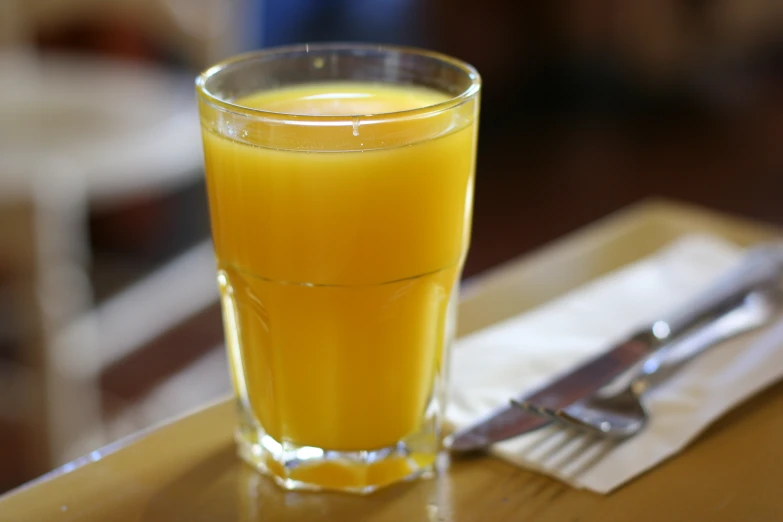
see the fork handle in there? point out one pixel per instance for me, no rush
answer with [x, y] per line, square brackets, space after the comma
[670, 359]
[761, 266]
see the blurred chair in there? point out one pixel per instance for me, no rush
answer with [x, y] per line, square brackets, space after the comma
[79, 133]
[58, 346]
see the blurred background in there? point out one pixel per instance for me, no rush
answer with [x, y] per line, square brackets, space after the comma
[109, 320]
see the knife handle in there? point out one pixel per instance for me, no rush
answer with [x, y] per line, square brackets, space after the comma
[761, 267]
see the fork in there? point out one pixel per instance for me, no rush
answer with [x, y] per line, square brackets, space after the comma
[620, 414]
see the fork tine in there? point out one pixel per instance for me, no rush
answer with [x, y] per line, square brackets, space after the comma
[602, 428]
[536, 409]
[560, 417]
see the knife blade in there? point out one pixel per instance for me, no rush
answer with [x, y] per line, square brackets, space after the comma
[761, 266]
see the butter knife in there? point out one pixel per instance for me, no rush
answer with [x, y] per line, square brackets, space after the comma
[761, 266]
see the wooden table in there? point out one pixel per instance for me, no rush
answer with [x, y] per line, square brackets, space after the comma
[187, 470]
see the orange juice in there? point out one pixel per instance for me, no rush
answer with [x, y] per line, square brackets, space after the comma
[338, 261]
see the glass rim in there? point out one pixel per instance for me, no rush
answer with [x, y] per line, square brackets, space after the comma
[306, 119]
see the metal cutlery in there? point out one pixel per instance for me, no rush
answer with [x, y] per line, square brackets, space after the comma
[760, 268]
[620, 414]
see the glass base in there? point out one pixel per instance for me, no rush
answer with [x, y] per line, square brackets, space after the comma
[308, 468]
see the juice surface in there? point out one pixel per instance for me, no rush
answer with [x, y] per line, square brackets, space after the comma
[338, 259]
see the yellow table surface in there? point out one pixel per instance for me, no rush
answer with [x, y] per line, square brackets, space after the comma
[187, 470]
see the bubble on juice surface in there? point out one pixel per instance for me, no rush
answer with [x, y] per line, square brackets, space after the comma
[356, 126]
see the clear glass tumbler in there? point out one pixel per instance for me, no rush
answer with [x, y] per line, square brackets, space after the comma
[340, 183]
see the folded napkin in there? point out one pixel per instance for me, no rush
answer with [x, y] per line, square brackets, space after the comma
[524, 352]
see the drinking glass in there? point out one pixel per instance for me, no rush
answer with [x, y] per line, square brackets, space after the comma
[340, 206]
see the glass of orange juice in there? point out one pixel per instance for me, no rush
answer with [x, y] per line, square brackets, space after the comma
[340, 184]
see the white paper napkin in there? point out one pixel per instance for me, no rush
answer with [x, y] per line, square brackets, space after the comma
[522, 353]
